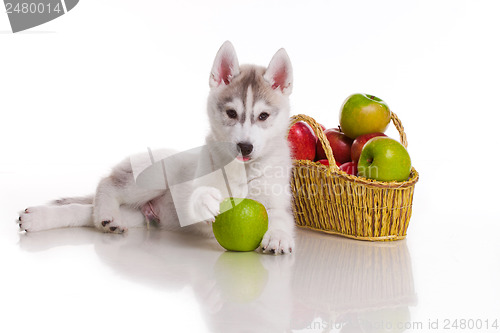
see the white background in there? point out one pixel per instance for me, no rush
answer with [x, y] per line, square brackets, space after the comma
[111, 78]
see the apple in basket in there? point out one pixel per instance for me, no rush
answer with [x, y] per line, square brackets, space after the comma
[302, 141]
[384, 159]
[351, 168]
[362, 114]
[341, 146]
[360, 142]
[325, 162]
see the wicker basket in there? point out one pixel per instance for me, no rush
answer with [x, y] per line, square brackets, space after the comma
[329, 200]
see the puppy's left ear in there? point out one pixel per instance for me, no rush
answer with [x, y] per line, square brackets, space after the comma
[279, 72]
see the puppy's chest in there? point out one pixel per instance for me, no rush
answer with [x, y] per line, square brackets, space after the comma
[256, 181]
[243, 182]
[269, 180]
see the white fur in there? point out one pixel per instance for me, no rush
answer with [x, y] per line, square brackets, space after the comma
[118, 199]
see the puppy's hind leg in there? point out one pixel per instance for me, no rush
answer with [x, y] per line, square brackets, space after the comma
[50, 217]
[107, 217]
[132, 217]
[40, 218]
[117, 190]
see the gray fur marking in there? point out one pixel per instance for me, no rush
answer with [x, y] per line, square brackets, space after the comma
[250, 77]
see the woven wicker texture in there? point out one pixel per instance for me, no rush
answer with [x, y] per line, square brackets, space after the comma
[329, 200]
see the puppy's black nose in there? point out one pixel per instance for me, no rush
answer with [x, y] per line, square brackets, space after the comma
[245, 148]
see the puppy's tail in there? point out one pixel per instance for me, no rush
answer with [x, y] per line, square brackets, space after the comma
[71, 200]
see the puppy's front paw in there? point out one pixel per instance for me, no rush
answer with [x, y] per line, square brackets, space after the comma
[277, 241]
[205, 202]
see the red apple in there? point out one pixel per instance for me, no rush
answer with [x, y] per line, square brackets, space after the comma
[349, 167]
[302, 141]
[340, 143]
[359, 143]
[325, 162]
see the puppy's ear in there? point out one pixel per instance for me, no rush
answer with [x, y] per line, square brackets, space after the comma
[279, 72]
[225, 66]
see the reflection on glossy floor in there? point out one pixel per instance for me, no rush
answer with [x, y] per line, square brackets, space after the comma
[329, 284]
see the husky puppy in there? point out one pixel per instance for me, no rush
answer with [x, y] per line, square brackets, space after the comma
[248, 107]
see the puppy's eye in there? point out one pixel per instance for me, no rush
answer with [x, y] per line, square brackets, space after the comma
[232, 114]
[263, 116]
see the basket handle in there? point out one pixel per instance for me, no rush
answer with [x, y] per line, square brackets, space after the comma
[399, 126]
[320, 134]
[324, 141]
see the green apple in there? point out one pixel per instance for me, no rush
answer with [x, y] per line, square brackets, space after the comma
[241, 225]
[384, 159]
[362, 114]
